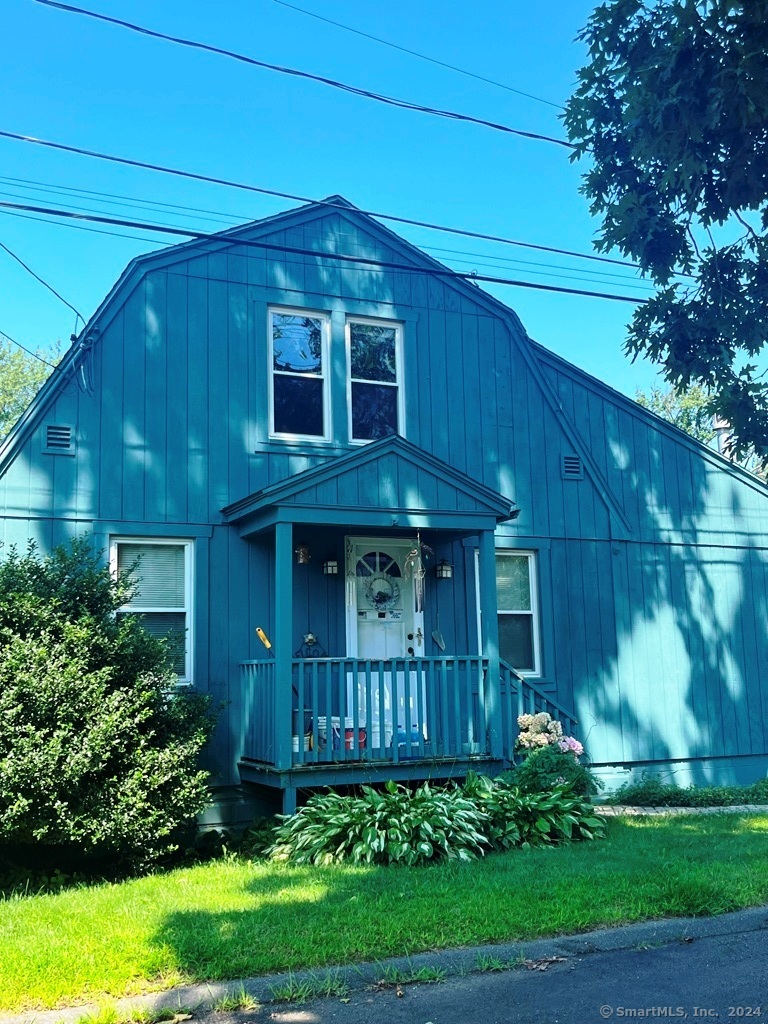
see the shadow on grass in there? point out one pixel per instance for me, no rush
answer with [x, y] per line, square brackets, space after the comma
[315, 917]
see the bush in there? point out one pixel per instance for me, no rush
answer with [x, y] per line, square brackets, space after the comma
[546, 767]
[453, 822]
[396, 826]
[651, 791]
[97, 752]
[523, 819]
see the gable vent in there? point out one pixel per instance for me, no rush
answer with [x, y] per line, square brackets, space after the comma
[59, 440]
[571, 467]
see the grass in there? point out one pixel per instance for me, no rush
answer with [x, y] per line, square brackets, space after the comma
[295, 991]
[235, 1001]
[393, 976]
[232, 919]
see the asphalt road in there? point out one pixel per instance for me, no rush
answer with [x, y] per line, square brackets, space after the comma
[718, 977]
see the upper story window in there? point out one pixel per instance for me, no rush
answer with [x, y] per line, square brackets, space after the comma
[375, 392]
[162, 570]
[518, 610]
[299, 365]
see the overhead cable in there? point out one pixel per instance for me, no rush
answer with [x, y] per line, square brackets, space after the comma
[229, 237]
[421, 56]
[178, 172]
[333, 83]
[45, 284]
[232, 220]
[586, 279]
[28, 350]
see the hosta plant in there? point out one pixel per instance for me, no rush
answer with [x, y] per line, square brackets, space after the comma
[398, 826]
[532, 819]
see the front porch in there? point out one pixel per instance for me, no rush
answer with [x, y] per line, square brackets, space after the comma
[356, 721]
[380, 688]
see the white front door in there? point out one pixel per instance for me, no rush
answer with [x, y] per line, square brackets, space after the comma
[385, 621]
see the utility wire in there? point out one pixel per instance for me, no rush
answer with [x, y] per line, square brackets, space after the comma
[28, 351]
[45, 284]
[305, 199]
[114, 199]
[232, 220]
[448, 260]
[421, 56]
[229, 237]
[83, 227]
[354, 90]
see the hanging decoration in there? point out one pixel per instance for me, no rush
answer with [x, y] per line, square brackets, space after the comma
[414, 568]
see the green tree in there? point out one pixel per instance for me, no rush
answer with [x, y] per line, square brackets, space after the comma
[689, 410]
[21, 377]
[672, 112]
[98, 753]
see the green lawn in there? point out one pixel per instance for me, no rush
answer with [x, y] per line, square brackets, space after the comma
[232, 919]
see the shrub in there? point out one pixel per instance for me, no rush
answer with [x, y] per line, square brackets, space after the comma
[455, 823]
[97, 751]
[652, 791]
[550, 766]
[394, 827]
[523, 819]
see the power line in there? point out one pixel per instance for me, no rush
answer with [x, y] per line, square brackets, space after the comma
[231, 220]
[79, 151]
[421, 56]
[525, 263]
[82, 227]
[298, 250]
[45, 284]
[218, 216]
[354, 90]
[28, 351]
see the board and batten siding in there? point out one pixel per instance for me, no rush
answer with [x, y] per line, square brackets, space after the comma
[653, 629]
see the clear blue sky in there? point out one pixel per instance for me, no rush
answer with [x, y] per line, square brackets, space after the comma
[88, 84]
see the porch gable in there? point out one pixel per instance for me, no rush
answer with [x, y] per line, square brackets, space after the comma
[390, 482]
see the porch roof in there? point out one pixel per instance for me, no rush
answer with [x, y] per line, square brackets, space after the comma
[390, 483]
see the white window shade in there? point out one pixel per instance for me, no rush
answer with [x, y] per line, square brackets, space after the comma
[158, 570]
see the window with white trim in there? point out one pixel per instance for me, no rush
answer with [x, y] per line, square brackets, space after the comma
[298, 353]
[518, 610]
[375, 392]
[162, 571]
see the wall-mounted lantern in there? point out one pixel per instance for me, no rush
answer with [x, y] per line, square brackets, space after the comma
[444, 570]
[302, 554]
[330, 567]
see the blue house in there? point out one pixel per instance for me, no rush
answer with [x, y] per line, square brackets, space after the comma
[386, 522]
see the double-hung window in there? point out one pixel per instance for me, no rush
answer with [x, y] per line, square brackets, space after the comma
[298, 342]
[162, 574]
[374, 349]
[518, 610]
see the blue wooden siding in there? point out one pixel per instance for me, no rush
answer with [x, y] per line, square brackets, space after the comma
[656, 635]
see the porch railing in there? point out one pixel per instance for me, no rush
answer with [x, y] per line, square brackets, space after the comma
[350, 709]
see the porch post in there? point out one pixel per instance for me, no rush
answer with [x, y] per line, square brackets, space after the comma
[489, 604]
[283, 637]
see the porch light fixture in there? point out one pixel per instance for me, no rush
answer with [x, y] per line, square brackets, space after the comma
[330, 567]
[302, 554]
[444, 570]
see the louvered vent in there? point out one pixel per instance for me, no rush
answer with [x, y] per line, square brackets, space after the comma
[571, 467]
[59, 439]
